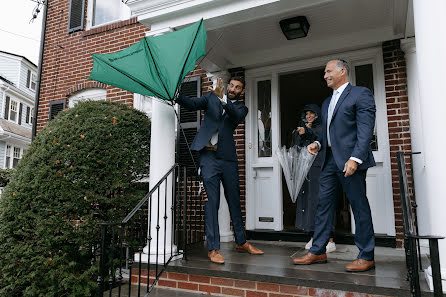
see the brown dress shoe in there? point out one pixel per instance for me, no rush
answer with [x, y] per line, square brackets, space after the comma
[310, 258]
[216, 257]
[360, 265]
[247, 247]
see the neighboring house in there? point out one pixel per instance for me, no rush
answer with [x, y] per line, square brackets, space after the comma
[377, 38]
[18, 82]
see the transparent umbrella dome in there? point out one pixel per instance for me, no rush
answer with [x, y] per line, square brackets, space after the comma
[296, 163]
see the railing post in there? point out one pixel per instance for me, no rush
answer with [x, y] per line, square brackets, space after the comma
[435, 266]
[100, 280]
[185, 214]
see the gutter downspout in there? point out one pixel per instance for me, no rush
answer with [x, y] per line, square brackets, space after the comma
[39, 69]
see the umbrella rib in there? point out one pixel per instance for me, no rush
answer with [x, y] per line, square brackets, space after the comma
[132, 78]
[188, 54]
[156, 68]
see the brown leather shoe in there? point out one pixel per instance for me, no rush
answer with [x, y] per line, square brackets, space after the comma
[247, 247]
[216, 257]
[310, 258]
[360, 265]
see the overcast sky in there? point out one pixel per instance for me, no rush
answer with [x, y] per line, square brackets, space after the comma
[17, 34]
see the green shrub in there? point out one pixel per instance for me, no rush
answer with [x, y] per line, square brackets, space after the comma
[5, 176]
[78, 171]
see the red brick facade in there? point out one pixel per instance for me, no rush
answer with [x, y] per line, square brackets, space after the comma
[398, 120]
[67, 61]
[237, 287]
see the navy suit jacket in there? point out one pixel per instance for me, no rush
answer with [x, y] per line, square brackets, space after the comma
[351, 127]
[215, 120]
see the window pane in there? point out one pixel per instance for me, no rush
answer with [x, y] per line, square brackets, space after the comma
[17, 152]
[264, 118]
[15, 162]
[105, 11]
[364, 78]
[8, 160]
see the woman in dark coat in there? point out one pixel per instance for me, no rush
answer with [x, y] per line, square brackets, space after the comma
[307, 132]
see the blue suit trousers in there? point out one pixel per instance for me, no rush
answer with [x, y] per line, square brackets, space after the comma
[355, 188]
[214, 170]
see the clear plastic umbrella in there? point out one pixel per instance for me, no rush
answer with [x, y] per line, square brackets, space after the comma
[296, 163]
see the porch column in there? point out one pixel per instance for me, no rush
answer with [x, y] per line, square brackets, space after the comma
[162, 158]
[431, 49]
[224, 218]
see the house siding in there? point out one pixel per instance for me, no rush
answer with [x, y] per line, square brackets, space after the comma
[9, 69]
[23, 76]
[2, 104]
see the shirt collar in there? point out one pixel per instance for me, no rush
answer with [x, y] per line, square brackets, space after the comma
[341, 88]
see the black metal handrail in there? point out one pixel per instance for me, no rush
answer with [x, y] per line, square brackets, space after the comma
[124, 243]
[411, 236]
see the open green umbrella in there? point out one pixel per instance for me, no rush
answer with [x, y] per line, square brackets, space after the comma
[154, 66]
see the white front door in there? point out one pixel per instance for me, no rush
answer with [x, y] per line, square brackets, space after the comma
[263, 172]
[264, 205]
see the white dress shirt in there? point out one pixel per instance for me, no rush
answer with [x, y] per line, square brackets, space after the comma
[334, 100]
[214, 139]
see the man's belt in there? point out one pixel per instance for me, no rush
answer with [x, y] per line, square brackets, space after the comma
[210, 148]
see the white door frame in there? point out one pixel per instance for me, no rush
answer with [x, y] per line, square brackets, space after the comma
[370, 55]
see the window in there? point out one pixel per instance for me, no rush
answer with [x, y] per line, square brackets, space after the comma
[29, 115]
[8, 157]
[264, 118]
[13, 111]
[107, 11]
[31, 80]
[94, 94]
[13, 156]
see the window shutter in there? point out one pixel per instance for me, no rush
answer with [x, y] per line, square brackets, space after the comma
[28, 111]
[20, 113]
[190, 122]
[7, 108]
[28, 78]
[76, 15]
[56, 107]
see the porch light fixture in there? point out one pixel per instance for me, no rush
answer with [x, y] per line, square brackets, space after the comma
[296, 27]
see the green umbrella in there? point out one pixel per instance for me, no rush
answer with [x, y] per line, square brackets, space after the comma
[154, 66]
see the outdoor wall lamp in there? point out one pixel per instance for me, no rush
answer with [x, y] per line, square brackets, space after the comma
[296, 27]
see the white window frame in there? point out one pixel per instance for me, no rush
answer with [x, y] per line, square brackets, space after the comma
[32, 80]
[124, 14]
[93, 94]
[12, 150]
[11, 101]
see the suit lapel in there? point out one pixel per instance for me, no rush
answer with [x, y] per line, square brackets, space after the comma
[343, 96]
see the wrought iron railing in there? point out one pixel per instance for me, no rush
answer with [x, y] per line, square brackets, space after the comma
[134, 253]
[411, 236]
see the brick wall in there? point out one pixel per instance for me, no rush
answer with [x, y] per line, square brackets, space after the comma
[398, 120]
[67, 61]
[236, 287]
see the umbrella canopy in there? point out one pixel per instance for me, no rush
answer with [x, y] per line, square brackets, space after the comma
[154, 66]
[296, 163]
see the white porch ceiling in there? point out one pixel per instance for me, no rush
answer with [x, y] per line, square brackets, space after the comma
[251, 37]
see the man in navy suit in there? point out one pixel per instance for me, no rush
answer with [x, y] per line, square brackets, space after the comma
[218, 160]
[348, 118]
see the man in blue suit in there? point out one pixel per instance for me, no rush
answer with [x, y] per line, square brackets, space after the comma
[348, 118]
[218, 160]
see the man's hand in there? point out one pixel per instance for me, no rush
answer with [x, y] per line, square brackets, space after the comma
[301, 130]
[350, 167]
[313, 148]
[218, 91]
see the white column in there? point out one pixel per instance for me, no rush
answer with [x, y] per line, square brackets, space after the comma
[431, 49]
[224, 218]
[162, 158]
[416, 131]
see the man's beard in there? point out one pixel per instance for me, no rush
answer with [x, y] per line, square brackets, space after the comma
[236, 97]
